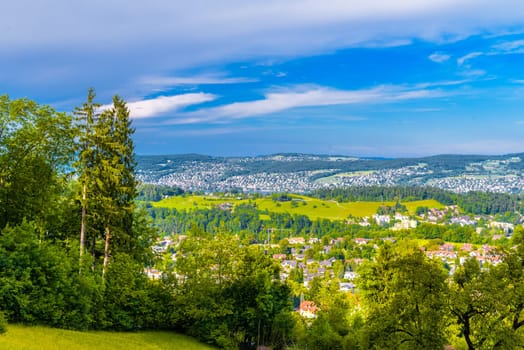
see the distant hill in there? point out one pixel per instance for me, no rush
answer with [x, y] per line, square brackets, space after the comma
[295, 172]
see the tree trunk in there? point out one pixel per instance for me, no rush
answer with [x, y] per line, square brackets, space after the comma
[83, 225]
[106, 252]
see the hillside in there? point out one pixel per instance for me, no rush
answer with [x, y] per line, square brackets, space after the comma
[301, 173]
[44, 338]
[301, 205]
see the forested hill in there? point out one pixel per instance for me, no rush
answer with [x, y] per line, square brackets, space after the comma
[304, 173]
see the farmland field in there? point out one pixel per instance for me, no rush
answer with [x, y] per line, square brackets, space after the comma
[303, 205]
[44, 338]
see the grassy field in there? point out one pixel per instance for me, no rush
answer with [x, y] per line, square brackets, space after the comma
[312, 207]
[43, 338]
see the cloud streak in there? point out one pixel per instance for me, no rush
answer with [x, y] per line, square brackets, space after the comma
[504, 48]
[163, 104]
[469, 56]
[304, 96]
[206, 79]
[439, 57]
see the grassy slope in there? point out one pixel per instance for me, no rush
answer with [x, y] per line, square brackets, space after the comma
[312, 207]
[44, 338]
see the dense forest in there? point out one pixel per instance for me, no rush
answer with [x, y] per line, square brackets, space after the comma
[76, 248]
[245, 222]
[471, 202]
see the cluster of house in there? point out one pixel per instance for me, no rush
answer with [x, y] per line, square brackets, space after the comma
[447, 215]
[449, 253]
[400, 222]
[297, 259]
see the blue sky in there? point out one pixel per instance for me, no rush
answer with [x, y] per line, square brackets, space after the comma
[230, 77]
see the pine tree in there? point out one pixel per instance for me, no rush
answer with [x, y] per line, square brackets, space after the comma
[116, 186]
[106, 164]
[86, 116]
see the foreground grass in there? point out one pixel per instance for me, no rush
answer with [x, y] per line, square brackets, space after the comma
[44, 338]
[302, 205]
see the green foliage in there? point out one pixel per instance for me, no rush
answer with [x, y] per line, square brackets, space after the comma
[106, 167]
[229, 294]
[471, 202]
[391, 210]
[126, 304]
[386, 193]
[3, 323]
[403, 295]
[149, 192]
[38, 283]
[281, 197]
[314, 208]
[35, 152]
[488, 304]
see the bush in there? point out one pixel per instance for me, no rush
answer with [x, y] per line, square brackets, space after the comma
[3, 323]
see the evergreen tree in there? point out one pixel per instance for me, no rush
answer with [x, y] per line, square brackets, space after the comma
[85, 165]
[106, 165]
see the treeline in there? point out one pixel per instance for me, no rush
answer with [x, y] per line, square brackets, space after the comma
[246, 223]
[472, 202]
[154, 193]
[385, 193]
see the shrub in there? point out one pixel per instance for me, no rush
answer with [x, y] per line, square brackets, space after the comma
[3, 323]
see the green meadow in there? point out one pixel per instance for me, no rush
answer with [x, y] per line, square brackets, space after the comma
[303, 205]
[44, 338]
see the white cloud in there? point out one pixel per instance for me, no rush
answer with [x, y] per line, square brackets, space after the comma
[469, 56]
[439, 57]
[509, 46]
[505, 48]
[208, 131]
[157, 106]
[441, 83]
[304, 96]
[184, 33]
[110, 44]
[207, 79]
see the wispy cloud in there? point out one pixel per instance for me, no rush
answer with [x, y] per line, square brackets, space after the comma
[504, 48]
[207, 131]
[509, 46]
[469, 56]
[205, 79]
[304, 96]
[160, 105]
[439, 57]
[441, 83]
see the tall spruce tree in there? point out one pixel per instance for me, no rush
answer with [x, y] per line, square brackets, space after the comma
[86, 116]
[106, 164]
[116, 185]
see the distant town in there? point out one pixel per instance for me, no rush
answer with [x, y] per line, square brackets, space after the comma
[305, 173]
